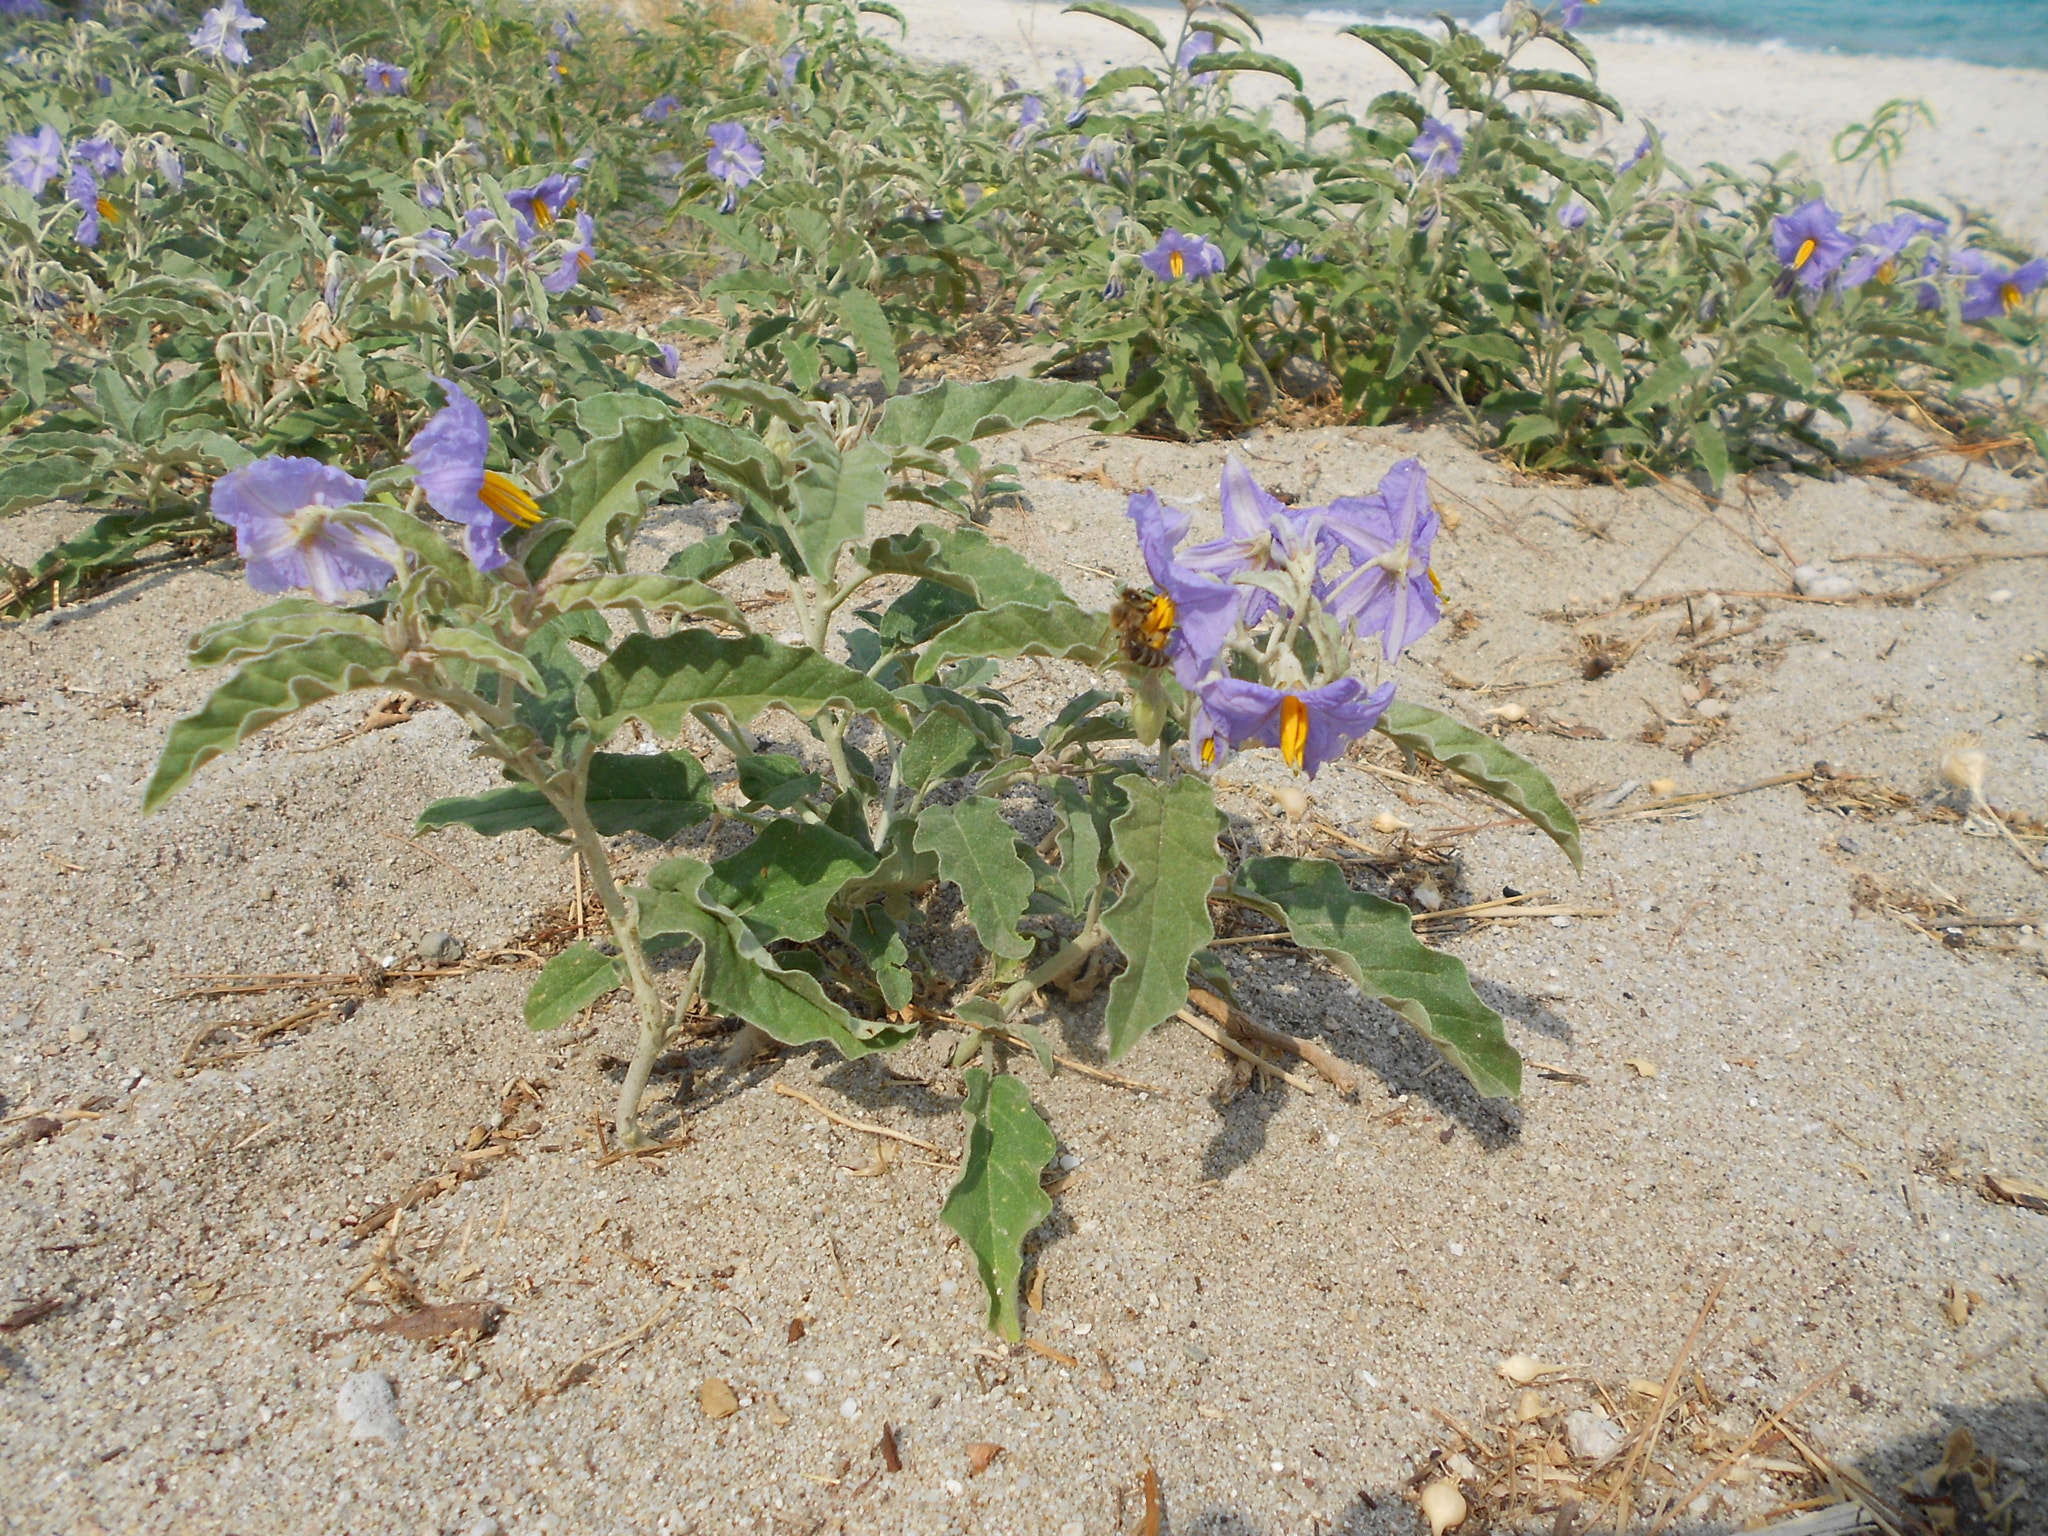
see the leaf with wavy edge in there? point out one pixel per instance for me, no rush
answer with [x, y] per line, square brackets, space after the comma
[950, 414]
[977, 851]
[1166, 841]
[968, 561]
[641, 451]
[262, 692]
[1021, 629]
[653, 594]
[472, 644]
[655, 794]
[658, 680]
[289, 621]
[998, 1199]
[1129, 20]
[832, 495]
[1480, 760]
[785, 879]
[571, 982]
[1373, 943]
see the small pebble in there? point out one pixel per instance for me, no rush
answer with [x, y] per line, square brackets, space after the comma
[850, 1409]
[78, 1034]
[814, 1376]
[2002, 595]
[1560, 921]
[1711, 709]
[1593, 1436]
[1995, 520]
[440, 948]
[368, 1406]
[1663, 786]
[482, 1525]
[1293, 802]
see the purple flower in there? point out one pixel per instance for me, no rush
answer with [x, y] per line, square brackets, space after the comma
[1030, 118]
[282, 512]
[1389, 590]
[381, 79]
[34, 160]
[1179, 256]
[1098, 155]
[1199, 45]
[1073, 84]
[430, 195]
[102, 155]
[83, 190]
[1811, 244]
[1642, 152]
[1191, 614]
[482, 236]
[1260, 533]
[1877, 254]
[576, 257]
[1571, 12]
[1994, 291]
[1114, 288]
[670, 362]
[734, 159]
[539, 206]
[448, 457]
[1573, 214]
[1310, 726]
[219, 35]
[1438, 149]
[660, 110]
[792, 61]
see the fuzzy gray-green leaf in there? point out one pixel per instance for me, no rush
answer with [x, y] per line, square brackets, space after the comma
[658, 680]
[1373, 942]
[832, 495]
[1166, 841]
[951, 414]
[1480, 760]
[998, 1199]
[572, 981]
[783, 881]
[977, 851]
[1021, 629]
[655, 794]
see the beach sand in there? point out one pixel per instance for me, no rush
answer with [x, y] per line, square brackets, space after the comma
[1989, 145]
[1768, 1055]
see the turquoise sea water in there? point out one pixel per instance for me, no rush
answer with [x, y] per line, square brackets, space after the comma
[2005, 32]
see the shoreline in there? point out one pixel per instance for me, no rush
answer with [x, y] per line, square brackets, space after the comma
[1710, 101]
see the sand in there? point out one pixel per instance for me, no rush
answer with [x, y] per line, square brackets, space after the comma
[1988, 145]
[1268, 1296]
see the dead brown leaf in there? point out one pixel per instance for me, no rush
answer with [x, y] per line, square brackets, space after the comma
[892, 1459]
[979, 1454]
[1154, 1505]
[2028, 1194]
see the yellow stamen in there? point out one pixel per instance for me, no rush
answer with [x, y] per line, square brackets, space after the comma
[1177, 263]
[1439, 586]
[508, 500]
[107, 211]
[1208, 751]
[1805, 254]
[1888, 271]
[1158, 625]
[2010, 297]
[543, 216]
[1293, 731]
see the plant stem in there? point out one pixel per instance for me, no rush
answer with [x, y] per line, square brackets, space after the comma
[626, 1118]
[1071, 957]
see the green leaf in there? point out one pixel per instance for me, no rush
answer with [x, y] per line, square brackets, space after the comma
[862, 315]
[55, 477]
[289, 621]
[783, 881]
[875, 934]
[977, 851]
[1082, 837]
[1264, 63]
[833, 493]
[1058, 630]
[1373, 943]
[1129, 77]
[1528, 429]
[1129, 20]
[1480, 760]
[998, 1199]
[1558, 83]
[967, 560]
[655, 794]
[942, 747]
[775, 779]
[471, 643]
[718, 553]
[741, 977]
[605, 490]
[1710, 447]
[1166, 842]
[951, 414]
[658, 680]
[1410, 51]
[651, 594]
[571, 982]
[262, 692]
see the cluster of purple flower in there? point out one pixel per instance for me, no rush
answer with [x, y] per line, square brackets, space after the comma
[1361, 562]
[536, 211]
[295, 533]
[734, 159]
[34, 160]
[1817, 253]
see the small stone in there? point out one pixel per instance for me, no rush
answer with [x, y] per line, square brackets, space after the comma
[1711, 709]
[1593, 1436]
[482, 1525]
[369, 1407]
[1293, 802]
[1995, 520]
[2001, 596]
[1663, 786]
[78, 1034]
[1560, 921]
[1822, 581]
[948, 1289]
[717, 1399]
[440, 948]
[850, 1409]
[813, 1376]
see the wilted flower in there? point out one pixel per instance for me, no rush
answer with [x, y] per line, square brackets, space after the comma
[35, 159]
[1993, 291]
[1179, 256]
[1073, 84]
[539, 206]
[219, 35]
[1389, 590]
[83, 190]
[1811, 244]
[282, 511]
[1114, 288]
[448, 465]
[1310, 726]
[1191, 613]
[576, 257]
[170, 167]
[1199, 45]
[661, 109]
[1030, 118]
[1438, 149]
[1573, 214]
[103, 155]
[1098, 154]
[670, 362]
[734, 159]
[381, 79]
[430, 195]
[1642, 152]
[1879, 246]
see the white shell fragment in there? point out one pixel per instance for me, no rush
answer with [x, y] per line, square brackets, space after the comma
[1293, 802]
[1593, 1436]
[368, 1406]
[1822, 581]
[1523, 1369]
